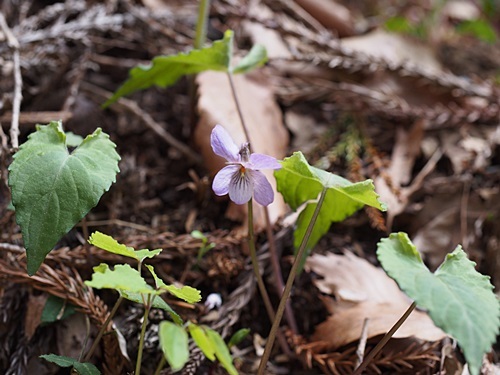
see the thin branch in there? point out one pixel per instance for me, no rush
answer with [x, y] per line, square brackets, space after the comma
[131, 106]
[18, 82]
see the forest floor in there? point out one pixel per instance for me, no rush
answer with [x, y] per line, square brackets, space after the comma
[417, 112]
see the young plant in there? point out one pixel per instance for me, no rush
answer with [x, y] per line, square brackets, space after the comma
[165, 71]
[54, 188]
[205, 245]
[458, 298]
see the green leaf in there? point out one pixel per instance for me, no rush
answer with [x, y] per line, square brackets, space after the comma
[221, 351]
[238, 337]
[203, 342]
[186, 293]
[459, 299]
[53, 189]
[174, 343]
[398, 24]
[86, 368]
[62, 361]
[56, 309]
[300, 183]
[164, 71]
[109, 244]
[480, 29]
[158, 282]
[73, 140]
[123, 279]
[255, 58]
[158, 303]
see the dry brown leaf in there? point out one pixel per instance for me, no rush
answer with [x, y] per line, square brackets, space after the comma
[263, 119]
[362, 292]
[396, 49]
[34, 310]
[330, 14]
[259, 34]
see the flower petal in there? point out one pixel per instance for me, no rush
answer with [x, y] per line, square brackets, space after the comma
[262, 190]
[261, 161]
[222, 179]
[241, 187]
[223, 145]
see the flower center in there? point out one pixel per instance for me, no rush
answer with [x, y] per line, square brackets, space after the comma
[245, 152]
[242, 171]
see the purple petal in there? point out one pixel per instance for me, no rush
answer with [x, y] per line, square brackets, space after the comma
[261, 161]
[222, 179]
[223, 145]
[262, 190]
[241, 187]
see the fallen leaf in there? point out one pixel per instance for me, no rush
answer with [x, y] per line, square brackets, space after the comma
[330, 14]
[361, 292]
[263, 119]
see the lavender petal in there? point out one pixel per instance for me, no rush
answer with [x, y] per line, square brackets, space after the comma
[261, 161]
[241, 187]
[222, 180]
[223, 145]
[263, 192]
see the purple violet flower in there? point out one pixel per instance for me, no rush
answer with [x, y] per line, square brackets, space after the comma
[241, 177]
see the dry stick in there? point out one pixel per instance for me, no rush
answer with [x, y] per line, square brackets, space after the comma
[360, 351]
[384, 340]
[18, 82]
[289, 284]
[132, 107]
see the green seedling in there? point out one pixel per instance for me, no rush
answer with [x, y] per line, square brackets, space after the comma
[205, 245]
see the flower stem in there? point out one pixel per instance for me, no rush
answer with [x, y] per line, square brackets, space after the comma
[201, 24]
[289, 284]
[384, 340]
[103, 329]
[260, 281]
[238, 108]
[147, 308]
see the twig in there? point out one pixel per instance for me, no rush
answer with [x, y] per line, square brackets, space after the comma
[132, 107]
[18, 82]
[360, 351]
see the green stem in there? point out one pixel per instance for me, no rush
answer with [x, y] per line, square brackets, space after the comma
[147, 308]
[103, 329]
[384, 340]
[260, 281]
[255, 264]
[289, 284]
[238, 108]
[201, 24]
[162, 363]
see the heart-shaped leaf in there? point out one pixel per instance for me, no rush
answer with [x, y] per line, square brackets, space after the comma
[459, 299]
[174, 344]
[53, 189]
[109, 244]
[301, 183]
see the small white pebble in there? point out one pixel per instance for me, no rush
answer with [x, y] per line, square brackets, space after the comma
[214, 300]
